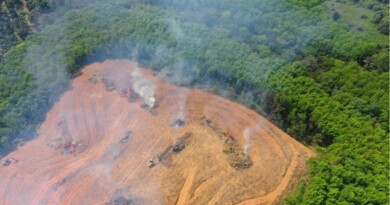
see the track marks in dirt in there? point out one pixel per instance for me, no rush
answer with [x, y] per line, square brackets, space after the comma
[274, 195]
[185, 193]
[200, 174]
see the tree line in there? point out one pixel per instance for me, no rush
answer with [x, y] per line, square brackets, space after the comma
[322, 83]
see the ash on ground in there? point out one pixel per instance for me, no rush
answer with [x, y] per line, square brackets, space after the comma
[121, 201]
[178, 123]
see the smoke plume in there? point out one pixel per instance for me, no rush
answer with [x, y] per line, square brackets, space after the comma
[144, 87]
[247, 137]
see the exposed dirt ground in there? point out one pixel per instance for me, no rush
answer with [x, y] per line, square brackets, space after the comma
[112, 167]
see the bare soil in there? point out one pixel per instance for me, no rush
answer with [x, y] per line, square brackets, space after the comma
[113, 164]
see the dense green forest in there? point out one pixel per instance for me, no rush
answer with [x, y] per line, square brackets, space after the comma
[19, 19]
[312, 73]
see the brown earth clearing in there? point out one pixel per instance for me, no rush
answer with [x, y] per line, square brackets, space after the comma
[99, 146]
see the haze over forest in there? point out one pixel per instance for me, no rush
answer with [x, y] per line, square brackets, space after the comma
[317, 69]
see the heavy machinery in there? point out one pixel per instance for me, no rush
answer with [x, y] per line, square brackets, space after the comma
[165, 155]
[150, 163]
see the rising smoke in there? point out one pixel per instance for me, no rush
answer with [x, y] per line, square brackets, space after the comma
[48, 63]
[247, 138]
[144, 87]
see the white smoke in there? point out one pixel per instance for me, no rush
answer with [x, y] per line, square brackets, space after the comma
[181, 114]
[182, 102]
[247, 137]
[144, 87]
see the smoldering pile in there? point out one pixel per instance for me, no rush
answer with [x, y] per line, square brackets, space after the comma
[207, 122]
[178, 123]
[164, 156]
[181, 142]
[99, 78]
[120, 201]
[65, 141]
[236, 157]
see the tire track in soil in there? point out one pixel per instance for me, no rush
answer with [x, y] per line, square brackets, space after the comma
[185, 195]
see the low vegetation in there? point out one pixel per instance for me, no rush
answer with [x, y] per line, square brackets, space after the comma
[369, 17]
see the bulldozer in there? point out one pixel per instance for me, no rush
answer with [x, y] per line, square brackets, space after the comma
[151, 163]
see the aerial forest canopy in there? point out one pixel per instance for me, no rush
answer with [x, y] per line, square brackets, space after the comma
[303, 64]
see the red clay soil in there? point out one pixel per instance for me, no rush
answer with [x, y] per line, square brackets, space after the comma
[109, 168]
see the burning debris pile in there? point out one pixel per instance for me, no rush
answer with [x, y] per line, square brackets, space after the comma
[98, 78]
[108, 84]
[178, 123]
[74, 149]
[181, 142]
[207, 122]
[236, 157]
[179, 146]
[151, 110]
[128, 93]
[65, 142]
[164, 156]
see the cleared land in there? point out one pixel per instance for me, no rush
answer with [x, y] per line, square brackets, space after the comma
[113, 139]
